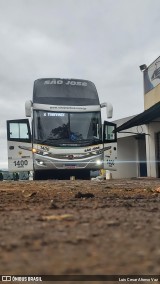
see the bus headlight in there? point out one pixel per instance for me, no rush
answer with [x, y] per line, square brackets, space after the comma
[99, 162]
[40, 163]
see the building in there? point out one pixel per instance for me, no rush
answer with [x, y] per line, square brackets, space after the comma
[139, 136]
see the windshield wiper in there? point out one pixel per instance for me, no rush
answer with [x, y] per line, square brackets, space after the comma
[92, 140]
[67, 142]
[47, 140]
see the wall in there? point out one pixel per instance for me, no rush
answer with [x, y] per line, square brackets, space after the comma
[127, 165]
[151, 81]
[152, 129]
[141, 143]
[152, 97]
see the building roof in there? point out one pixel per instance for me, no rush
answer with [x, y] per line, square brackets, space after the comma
[143, 118]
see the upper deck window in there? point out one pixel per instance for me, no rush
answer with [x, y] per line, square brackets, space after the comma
[65, 92]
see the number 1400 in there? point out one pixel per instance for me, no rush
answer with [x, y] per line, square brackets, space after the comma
[20, 163]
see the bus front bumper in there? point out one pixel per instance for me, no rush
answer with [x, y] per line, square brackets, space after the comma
[45, 163]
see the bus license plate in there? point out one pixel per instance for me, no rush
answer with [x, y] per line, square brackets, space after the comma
[70, 166]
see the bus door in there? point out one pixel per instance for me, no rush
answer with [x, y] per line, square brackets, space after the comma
[110, 146]
[19, 145]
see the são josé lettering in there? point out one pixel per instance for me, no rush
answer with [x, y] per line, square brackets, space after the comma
[61, 82]
[92, 149]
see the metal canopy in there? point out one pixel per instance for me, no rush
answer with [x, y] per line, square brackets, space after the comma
[143, 118]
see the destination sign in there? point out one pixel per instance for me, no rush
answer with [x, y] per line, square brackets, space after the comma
[53, 114]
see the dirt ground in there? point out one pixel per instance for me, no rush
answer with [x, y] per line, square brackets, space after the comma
[107, 227]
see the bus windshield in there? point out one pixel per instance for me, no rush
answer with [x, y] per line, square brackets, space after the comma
[55, 128]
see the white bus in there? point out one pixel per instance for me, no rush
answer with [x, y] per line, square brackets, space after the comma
[66, 136]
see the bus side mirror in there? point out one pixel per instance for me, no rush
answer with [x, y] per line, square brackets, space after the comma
[28, 108]
[109, 109]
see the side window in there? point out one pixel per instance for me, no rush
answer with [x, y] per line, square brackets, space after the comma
[109, 132]
[18, 131]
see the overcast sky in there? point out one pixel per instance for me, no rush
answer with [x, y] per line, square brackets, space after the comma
[103, 41]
